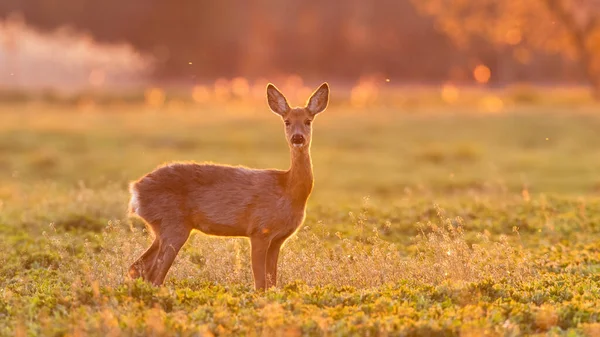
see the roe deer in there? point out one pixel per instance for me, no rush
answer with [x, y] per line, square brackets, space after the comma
[266, 206]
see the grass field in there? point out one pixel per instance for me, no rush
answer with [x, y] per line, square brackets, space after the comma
[424, 221]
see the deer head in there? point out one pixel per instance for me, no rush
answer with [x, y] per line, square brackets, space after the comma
[298, 121]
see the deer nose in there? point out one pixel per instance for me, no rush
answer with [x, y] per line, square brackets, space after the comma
[297, 139]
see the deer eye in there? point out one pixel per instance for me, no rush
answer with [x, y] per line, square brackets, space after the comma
[287, 123]
[307, 122]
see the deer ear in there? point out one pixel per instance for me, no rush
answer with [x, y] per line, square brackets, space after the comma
[319, 99]
[276, 100]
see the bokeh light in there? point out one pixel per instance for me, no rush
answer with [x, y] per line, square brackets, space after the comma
[482, 74]
[513, 36]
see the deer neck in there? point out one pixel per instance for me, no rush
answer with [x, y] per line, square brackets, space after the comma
[300, 176]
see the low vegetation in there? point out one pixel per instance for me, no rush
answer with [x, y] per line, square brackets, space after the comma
[423, 222]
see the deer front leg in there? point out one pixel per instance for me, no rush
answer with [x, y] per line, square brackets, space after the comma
[259, 260]
[272, 257]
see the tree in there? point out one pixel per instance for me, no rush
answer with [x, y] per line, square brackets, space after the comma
[570, 28]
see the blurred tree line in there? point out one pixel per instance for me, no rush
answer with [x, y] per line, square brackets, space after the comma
[404, 40]
[569, 28]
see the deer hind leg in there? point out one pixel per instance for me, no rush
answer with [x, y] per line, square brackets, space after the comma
[169, 246]
[141, 267]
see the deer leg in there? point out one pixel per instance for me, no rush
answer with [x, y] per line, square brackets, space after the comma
[168, 249]
[259, 256]
[272, 257]
[141, 267]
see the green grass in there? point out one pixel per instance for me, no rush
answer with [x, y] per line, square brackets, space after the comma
[424, 221]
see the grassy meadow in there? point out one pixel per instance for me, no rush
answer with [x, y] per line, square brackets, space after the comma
[426, 220]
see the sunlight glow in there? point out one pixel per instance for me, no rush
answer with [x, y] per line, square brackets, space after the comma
[97, 77]
[240, 87]
[222, 89]
[200, 94]
[155, 97]
[65, 59]
[450, 93]
[364, 93]
[492, 104]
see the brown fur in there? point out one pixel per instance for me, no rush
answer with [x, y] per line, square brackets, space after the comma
[266, 206]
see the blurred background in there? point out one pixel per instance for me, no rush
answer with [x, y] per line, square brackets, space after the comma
[437, 96]
[218, 49]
